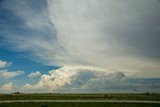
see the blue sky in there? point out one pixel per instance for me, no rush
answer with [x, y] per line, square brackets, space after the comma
[79, 46]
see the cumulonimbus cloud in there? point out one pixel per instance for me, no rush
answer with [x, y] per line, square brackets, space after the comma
[83, 79]
[57, 79]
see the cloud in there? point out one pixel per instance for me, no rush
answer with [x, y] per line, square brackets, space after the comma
[158, 28]
[110, 34]
[36, 10]
[86, 79]
[7, 87]
[9, 74]
[91, 33]
[34, 74]
[4, 64]
[5, 73]
[56, 79]
[121, 38]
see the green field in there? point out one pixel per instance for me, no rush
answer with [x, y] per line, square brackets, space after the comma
[140, 96]
[78, 105]
[110, 97]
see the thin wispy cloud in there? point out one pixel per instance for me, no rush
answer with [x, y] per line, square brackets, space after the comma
[99, 33]
[9, 74]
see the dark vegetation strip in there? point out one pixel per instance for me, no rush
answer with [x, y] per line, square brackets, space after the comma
[50, 96]
[78, 104]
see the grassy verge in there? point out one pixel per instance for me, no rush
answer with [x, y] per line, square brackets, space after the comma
[78, 104]
[80, 97]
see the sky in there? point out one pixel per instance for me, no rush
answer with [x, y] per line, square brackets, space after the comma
[79, 46]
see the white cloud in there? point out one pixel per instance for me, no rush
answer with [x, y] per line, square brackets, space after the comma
[87, 79]
[4, 64]
[66, 75]
[34, 74]
[5, 73]
[9, 74]
[55, 79]
[7, 87]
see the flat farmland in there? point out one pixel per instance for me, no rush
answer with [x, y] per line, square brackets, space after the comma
[80, 100]
[50, 96]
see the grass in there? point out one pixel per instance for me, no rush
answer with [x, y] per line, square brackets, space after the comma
[140, 96]
[122, 96]
[77, 104]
